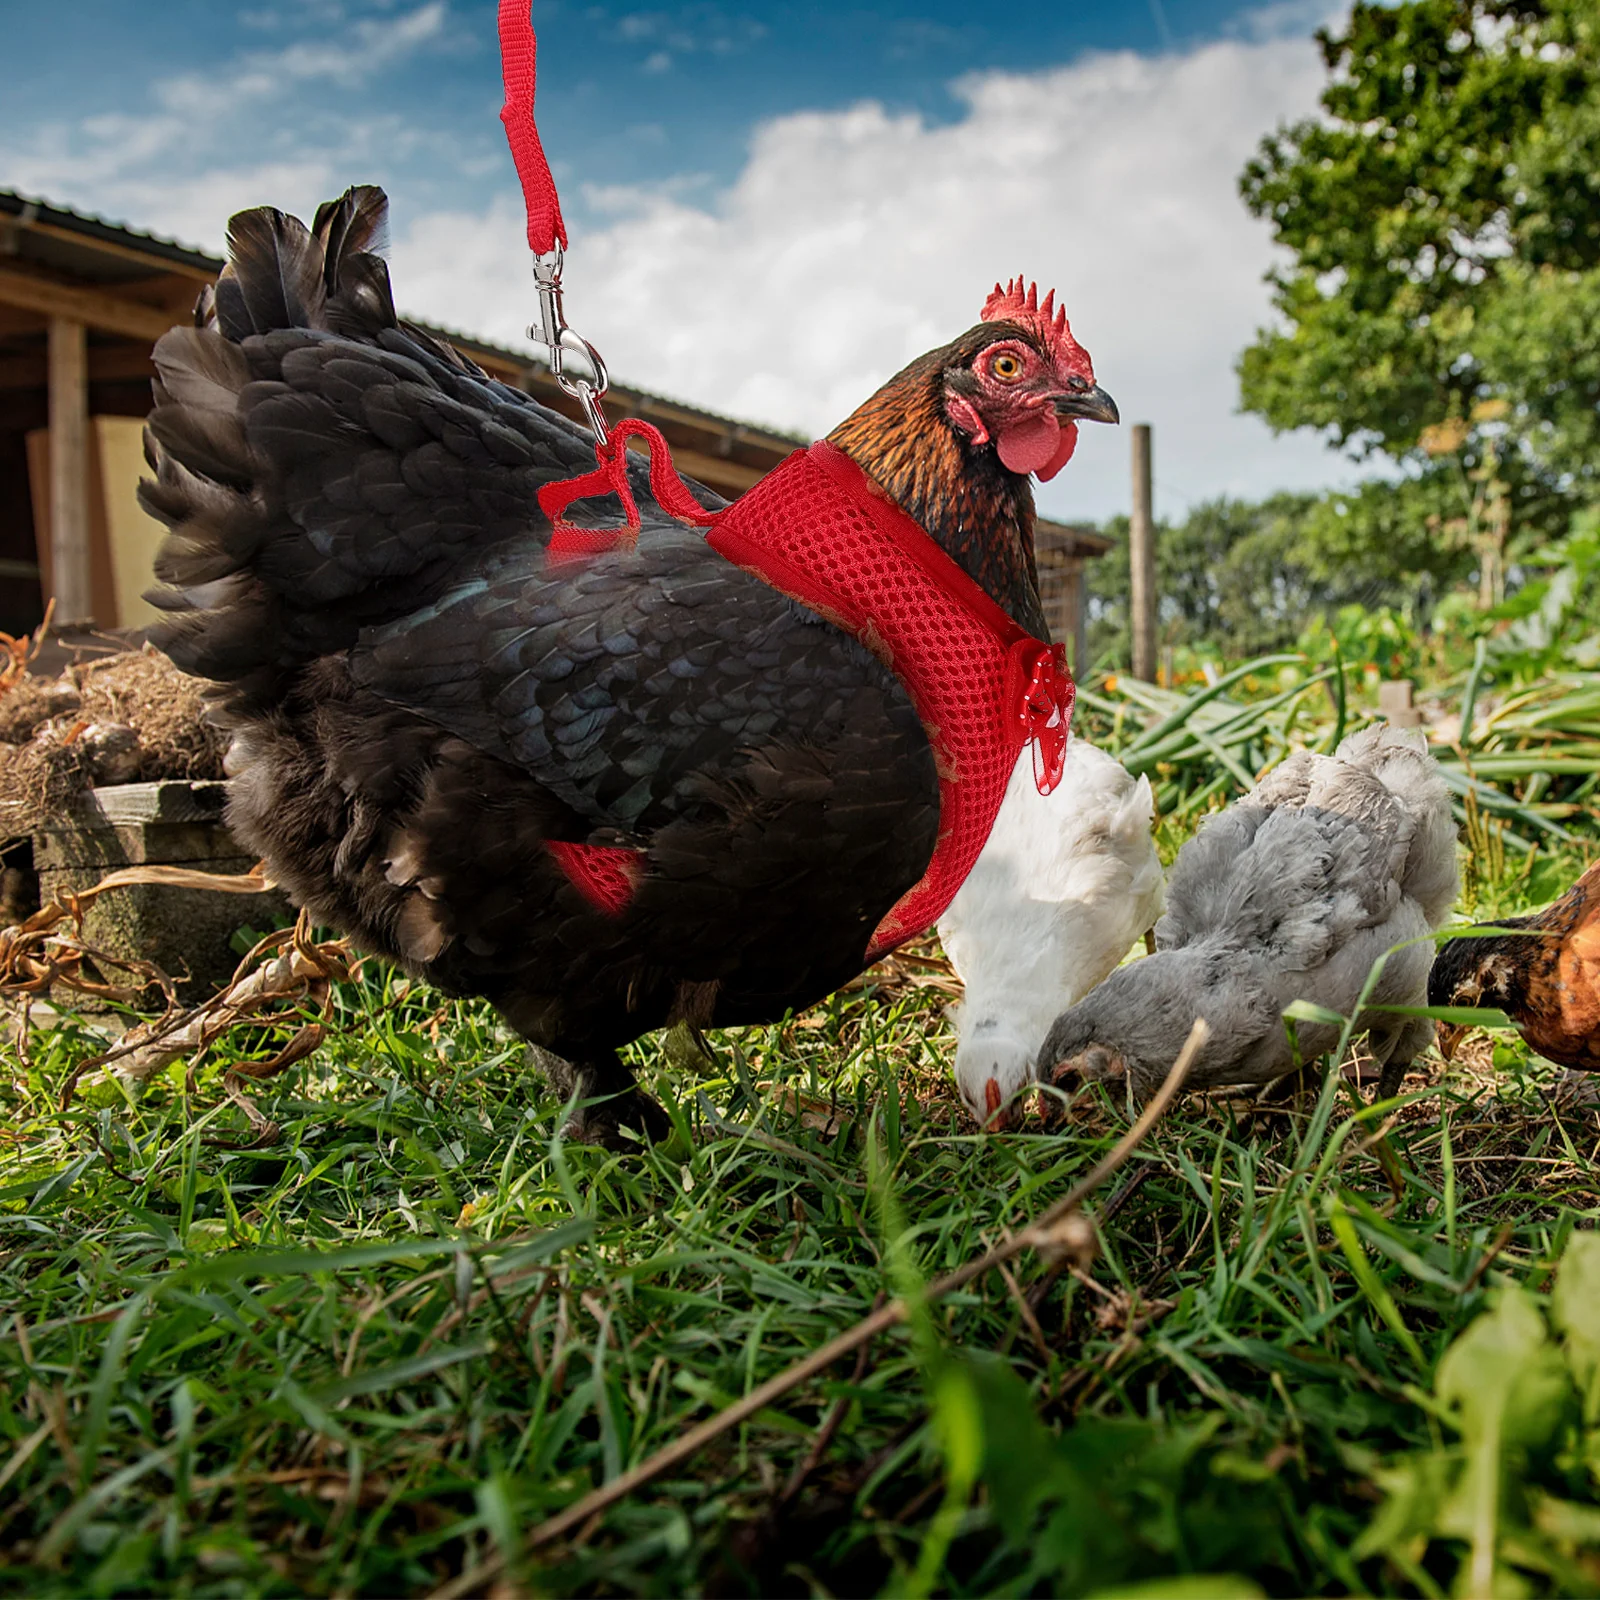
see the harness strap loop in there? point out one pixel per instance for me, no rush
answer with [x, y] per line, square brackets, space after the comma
[611, 477]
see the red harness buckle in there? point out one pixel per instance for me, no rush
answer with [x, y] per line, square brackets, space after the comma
[1042, 693]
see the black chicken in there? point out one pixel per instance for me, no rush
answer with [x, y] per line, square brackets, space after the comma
[424, 710]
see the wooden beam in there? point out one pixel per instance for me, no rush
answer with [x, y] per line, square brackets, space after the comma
[69, 472]
[15, 322]
[125, 252]
[1142, 559]
[115, 363]
[91, 306]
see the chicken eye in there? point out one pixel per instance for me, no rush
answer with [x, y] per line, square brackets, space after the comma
[1006, 366]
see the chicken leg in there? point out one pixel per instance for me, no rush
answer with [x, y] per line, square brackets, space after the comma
[608, 1101]
[1396, 1048]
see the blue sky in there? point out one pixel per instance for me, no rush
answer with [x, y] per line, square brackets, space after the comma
[772, 205]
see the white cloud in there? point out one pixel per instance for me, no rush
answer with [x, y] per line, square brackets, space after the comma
[854, 240]
[260, 125]
[850, 241]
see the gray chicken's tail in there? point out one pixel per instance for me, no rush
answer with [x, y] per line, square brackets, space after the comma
[323, 466]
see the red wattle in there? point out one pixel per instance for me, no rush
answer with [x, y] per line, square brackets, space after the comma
[1031, 445]
[1069, 443]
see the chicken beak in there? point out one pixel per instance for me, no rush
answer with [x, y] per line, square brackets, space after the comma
[999, 1118]
[1091, 405]
[1449, 1039]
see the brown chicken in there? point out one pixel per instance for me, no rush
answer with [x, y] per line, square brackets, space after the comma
[431, 720]
[1547, 979]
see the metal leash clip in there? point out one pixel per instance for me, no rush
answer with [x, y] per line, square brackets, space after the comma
[561, 341]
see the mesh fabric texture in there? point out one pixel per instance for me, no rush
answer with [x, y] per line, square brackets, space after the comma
[818, 529]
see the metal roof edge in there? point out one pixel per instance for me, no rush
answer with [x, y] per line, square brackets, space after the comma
[16, 204]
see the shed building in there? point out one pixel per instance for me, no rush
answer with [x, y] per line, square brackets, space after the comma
[81, 302]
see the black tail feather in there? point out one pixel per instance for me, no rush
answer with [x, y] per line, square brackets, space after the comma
[356, 223]
[321, 466]
[273, 278]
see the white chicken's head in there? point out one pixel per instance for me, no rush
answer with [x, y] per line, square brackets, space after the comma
[994, 1067]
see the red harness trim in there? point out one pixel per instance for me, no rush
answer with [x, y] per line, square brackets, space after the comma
[818, 529]
[606, 875]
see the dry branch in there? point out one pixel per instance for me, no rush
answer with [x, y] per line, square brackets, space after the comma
[1050, 1231]
[301, 971]
[37, 957]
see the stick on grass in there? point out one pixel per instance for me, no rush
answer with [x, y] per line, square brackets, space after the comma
[1041, 1232]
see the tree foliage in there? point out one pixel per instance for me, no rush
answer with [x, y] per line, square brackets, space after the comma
[1248, 577]
[1443, 222]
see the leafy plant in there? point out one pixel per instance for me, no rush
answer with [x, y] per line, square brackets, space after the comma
[1515, 1493]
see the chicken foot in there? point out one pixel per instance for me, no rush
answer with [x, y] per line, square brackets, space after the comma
[1397, 1047]
[608, 1101]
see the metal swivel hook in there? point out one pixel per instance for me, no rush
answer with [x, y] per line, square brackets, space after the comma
[561, 341]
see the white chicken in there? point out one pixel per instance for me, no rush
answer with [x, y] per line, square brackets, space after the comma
[1066, 882]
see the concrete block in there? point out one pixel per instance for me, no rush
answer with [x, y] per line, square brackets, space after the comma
[176, 823]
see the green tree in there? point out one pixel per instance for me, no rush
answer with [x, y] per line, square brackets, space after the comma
[1247, 578]
[1441, 304]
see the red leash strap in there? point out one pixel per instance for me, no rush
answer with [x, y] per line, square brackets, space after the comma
[547, 237]
[519, 54]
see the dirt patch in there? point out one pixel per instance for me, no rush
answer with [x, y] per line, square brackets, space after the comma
[127, 718]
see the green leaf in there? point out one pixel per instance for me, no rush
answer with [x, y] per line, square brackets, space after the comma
[1309, 1011]
[1575, 1310]
[295, 1263]
[1462, 1016]
[1372, 1286]
[1187, 1586]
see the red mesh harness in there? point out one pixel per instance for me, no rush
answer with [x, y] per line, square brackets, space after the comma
[819, 530]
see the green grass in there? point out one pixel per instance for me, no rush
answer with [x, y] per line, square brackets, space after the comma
[375, 1353]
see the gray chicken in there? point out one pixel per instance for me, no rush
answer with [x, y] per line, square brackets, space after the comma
[1292, 893]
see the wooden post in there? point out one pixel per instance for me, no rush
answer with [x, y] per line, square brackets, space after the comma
[1142, 560]
[69, 471]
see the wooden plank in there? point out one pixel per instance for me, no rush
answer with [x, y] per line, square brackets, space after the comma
[102, 588]
[114, 363]
[15, 320]
[91, 306]
[125, 252]
[127, 805]
[69, 471]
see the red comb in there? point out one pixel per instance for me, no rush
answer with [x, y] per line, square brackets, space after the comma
[1045, 322]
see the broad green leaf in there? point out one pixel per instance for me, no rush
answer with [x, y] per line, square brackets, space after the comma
[1575, 1310]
